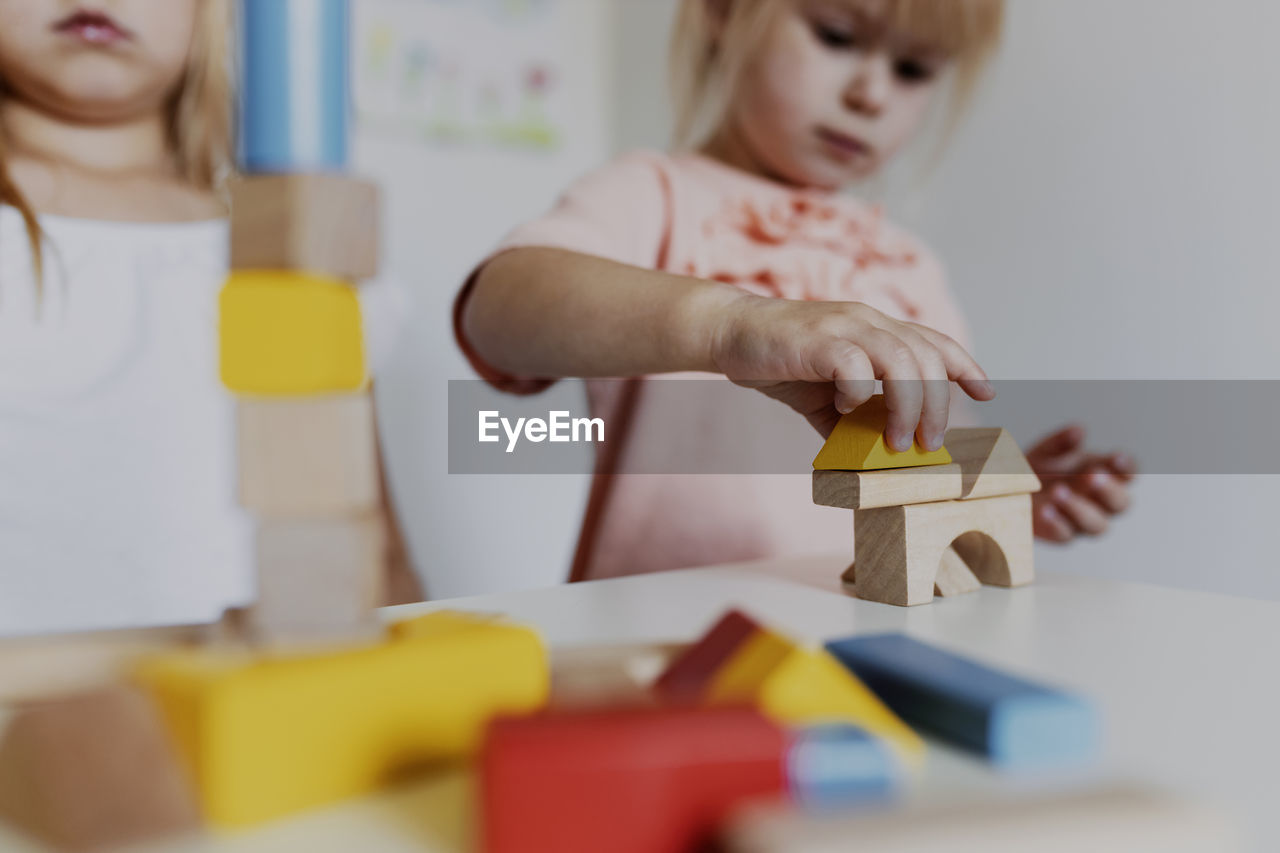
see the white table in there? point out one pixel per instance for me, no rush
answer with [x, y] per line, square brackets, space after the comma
[1188, 683]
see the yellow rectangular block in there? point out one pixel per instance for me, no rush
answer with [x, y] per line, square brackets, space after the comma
[290, 333]
[798, 685]
[267, 736]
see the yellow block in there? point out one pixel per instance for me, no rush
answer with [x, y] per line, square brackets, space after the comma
[797, 685]
[290, 333]
[265, 737]
[857, 444]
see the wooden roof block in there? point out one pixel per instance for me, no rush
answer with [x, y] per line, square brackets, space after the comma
[991, 463]
[857, 444]
[895, 487]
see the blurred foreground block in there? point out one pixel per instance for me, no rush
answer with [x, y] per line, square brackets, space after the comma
[1107, 821]
[658, 780]
[267, 736]
[93, 770]
[738, 662]
[1013, 722]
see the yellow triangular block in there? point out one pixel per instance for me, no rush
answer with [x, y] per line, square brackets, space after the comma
[797, 685]
[857, 444]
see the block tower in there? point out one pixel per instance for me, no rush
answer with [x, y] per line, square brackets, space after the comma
[304, 234]
[939, 523]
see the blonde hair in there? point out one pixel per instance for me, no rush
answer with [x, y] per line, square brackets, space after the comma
[199, 121]
[708, 56]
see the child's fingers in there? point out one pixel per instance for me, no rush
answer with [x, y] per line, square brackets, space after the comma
[854, 377]
[1064, 441]
[935, 389]
[1123, 466]
[1080, 510]
[903, 391]
[1106, 489]
[1049, 523]
[961, 367]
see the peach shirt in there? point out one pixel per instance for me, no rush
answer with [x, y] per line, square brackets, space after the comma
[691, 215]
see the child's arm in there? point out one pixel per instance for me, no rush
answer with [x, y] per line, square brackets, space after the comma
[542, 312]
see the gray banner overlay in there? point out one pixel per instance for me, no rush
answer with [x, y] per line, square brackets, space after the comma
[711, 426]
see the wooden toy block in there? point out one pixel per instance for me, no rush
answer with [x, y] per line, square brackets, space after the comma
[857, 443]
[268, 736]
[895, 487]
[954, 577]
[898, 550]
[740, 663]
[609, 676]
[290, 333]
[1107, 820]
[318, 579]
[320, 223]
[93, 770]
[991, 463]
[1014, 722]
[686, 679]
[656, 780]
[53, 666]
[304, 457]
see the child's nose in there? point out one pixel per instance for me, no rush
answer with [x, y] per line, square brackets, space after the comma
[868, 88]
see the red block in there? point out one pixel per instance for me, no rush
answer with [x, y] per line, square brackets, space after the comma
[687, 676]
[631, 781]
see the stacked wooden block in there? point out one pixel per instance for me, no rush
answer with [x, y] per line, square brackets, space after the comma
[940, 523]
[303, 235]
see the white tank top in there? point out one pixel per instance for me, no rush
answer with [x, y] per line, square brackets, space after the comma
[117, 443]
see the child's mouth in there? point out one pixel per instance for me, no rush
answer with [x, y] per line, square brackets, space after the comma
[847, 147]
[92, 28]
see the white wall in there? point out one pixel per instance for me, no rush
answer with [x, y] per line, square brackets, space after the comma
[1109, 210]
[446, 208]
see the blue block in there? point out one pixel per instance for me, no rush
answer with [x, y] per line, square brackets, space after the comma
[1013, 722]
[295, 91]
[837, 765]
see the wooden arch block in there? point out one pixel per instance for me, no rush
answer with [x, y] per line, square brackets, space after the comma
[898, 550]
[857, 443]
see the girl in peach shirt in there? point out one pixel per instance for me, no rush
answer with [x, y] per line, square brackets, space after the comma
[737, 256]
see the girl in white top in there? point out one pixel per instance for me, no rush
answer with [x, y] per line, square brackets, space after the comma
[117, 492]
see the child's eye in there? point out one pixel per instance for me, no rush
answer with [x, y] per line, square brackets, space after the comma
[913, 71]
[840, 38]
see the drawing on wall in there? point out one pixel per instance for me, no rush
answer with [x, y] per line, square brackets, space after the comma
[462, 72]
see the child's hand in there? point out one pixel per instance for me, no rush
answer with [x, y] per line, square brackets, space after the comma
[822, 359]
[1081, 491]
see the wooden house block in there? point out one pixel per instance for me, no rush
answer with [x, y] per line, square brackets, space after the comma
[317, 222]
[895, 487]
[288, 333]
[991, 463]
[93, 770]
[265, 736]
[898, 550]
[954, 576]
[308, 456]
[740, 663]
[857, 443]
[1105, 820]
[318, 579]
[1013, 722]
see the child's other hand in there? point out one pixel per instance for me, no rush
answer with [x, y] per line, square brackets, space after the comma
[823, 358]
[1081, 490]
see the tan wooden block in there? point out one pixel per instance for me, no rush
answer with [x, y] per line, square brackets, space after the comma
[954, 576]
[991, 462]
[93, 770]
[320, 223]
[308, 456]
[898, 550]
[892, 487]
[1109, 819]
[55, 665]
[319, 580]
[591, 676]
